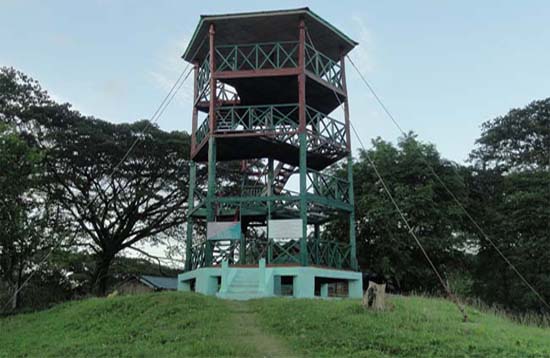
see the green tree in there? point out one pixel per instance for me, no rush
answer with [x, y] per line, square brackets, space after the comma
[510, 196]
[105, 208]
[384, 244]
[517, 141]
[22, 219]
[114, 208]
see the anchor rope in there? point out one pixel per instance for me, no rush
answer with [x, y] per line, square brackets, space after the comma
[449, 191]
[410, 230]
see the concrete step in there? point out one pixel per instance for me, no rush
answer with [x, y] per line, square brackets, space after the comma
[241, 295]
[245, 283]
[243, 286]
[239, 289]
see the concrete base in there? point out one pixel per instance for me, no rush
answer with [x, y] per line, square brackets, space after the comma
[243, 283]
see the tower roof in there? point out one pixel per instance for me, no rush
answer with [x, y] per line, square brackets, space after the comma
[268, 26]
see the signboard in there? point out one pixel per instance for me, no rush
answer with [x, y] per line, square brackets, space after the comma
[223, 230]
[284, 229]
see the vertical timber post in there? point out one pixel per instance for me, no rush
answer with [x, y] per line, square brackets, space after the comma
[352, 242]
[211, 195]
[270, 180]
[242, 240]
[195, 117]
[303, 142]
[192, 172]
[190, 205]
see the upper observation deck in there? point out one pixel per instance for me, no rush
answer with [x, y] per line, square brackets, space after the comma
[267, 26]
[257, 54]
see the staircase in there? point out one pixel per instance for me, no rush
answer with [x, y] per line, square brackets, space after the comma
[255, 173]
[281, 174]
[243, 286]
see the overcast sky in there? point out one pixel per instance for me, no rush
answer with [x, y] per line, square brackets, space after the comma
[441, 67]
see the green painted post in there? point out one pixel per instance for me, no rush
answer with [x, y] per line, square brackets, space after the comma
[317, 236]
[242, 248]
[303, 141]
[270, 181]
[190, 205]
[269, 251]
[353, 247]
[303, 198]
[210, 197]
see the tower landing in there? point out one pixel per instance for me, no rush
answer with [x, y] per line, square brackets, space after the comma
[248, 282]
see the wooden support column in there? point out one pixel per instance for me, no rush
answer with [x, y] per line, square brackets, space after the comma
[192, 172]
[212, 104]
[346, 104]
[242, 241]
[211, 195]
[352, 241]
[303, 142]
[270, 181]
[195, 117]
[190, 205]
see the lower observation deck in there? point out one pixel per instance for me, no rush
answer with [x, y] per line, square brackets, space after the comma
[326, 195]
[245, 132]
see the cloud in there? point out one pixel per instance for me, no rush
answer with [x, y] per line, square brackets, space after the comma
[362, 56]
[169, 66]
[62, 40]
[114, 89]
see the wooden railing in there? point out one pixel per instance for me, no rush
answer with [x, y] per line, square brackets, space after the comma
[320, 252]
[271, 55]
[328, 186]
[259, 56]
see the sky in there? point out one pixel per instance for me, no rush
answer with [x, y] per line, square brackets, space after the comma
[441, 67]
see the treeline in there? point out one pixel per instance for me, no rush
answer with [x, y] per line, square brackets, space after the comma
[68, 185]
[505, 188]
[62, 187]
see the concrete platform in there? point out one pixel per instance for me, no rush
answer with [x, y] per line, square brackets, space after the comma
[244, 283]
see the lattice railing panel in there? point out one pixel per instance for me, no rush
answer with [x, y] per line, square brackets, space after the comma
[328, 186]
[323, 67]
[261, 56]
[324, 130]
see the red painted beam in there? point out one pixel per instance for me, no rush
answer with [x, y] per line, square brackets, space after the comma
[257, 73]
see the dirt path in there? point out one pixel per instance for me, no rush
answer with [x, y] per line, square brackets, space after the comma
[250, 333]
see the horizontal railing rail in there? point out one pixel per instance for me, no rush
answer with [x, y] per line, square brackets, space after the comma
[274, 55]
[320, 252]
[323, 67]
[202, 132]
[329, 253]
[269, 118]
[328, 186]
[260, 56]
[283, 252]
[324, 129]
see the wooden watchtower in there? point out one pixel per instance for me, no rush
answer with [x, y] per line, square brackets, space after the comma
[265, 85]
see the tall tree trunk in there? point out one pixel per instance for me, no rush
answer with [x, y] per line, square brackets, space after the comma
[101, 274]
[18, 282]
[15, 297]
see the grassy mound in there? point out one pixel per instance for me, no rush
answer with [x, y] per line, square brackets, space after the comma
[145, 325]
[177, 324]
[414, 327]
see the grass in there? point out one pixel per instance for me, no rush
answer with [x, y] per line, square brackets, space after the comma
[178, 324]
[146, 325]
[415, 327]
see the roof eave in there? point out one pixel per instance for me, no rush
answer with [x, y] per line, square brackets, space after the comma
[304, 10]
